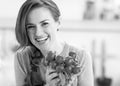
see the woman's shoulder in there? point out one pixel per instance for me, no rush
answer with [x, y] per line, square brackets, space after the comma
[79, 51]
[82, 54]
[23, 50]
[23, 53]
[22, 59]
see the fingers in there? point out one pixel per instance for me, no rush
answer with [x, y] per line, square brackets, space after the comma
[52, 77]
[49, 70]
[62, 79]
[52, 72]
[56, 77]
[53, 82]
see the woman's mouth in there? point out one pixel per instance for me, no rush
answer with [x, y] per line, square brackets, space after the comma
[42, 40]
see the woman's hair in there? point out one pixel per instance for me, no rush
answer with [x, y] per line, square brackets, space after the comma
[20, 29]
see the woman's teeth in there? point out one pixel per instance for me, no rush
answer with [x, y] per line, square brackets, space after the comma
[41, 39]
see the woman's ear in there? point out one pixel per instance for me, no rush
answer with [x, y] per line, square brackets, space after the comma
[59, 22]
[58, 27]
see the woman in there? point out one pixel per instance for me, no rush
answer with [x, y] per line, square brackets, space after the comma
[36, 31]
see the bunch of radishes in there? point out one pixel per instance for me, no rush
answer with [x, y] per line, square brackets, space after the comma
[68, 66]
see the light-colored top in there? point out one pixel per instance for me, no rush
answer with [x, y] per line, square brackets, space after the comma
[22, 65]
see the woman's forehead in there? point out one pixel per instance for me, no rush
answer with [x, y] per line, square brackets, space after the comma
[39, 14]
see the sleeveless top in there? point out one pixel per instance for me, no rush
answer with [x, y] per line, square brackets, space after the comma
[29, 70]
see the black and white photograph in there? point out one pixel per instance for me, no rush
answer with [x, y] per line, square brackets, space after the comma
[60, 43]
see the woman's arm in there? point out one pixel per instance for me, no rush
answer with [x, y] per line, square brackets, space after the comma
[86, 77]
[20, 72]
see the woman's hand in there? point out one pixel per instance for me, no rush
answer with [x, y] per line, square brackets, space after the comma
[63, 80]
[52, 78]
[55, 79]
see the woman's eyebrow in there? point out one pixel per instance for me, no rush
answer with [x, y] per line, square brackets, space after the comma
[39, 22]
[29, 24]
[44, 20]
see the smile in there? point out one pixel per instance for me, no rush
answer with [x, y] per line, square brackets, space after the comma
[43, 39]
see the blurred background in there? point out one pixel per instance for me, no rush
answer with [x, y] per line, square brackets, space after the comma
[90, 24]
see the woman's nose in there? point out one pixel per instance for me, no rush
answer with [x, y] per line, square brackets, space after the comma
[39, 31]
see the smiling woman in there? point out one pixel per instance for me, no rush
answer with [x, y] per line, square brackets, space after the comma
[36, 32]
[42, 29]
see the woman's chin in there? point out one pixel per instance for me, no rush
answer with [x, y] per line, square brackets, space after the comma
[44, 44]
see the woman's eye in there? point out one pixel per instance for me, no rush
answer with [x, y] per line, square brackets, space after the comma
[30, 27]
[45, 24]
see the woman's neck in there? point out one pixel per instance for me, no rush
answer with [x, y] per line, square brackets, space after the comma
[57, 48]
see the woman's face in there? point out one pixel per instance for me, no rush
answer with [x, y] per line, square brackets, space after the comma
[42, 28]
